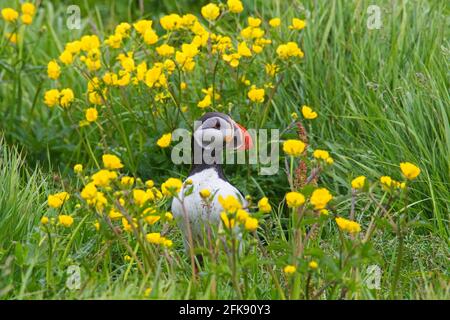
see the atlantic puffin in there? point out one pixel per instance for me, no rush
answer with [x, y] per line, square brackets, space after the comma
[213, 133]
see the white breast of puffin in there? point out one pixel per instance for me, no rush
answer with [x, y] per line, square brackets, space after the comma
[195, 206]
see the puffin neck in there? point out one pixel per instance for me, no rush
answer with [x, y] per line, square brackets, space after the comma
[199, 167]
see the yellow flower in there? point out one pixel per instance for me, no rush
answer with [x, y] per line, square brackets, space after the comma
[154, 237]
[205, 193]
[91, 114]
[227, 222]
[235, 6]
[206, 102]
[164, 141]
[51, 97]
[66, 97]
[308, 113]
[147, 292]
[140, 197]
[165, 50]
[294, 147]
[127, 181]
[78, 168]
[321, 154]
[244, 50]
[289, 50]
[150, 37]
[230, 204]
[210, 11]
[256, 95]
[53, 70]
[409, 170]
[66, 57]
[142, 25]
[28, 8]
[168, 216]
[320, 197]
[289, 269]
[275, 22]
[348, 225]
[149, 184]
[44, 220]
[9, 14]
[127, 226]
[171, 187]
[103, 178]
[313, 265]
[242, 215]
[26, 19]
[264, 205]
[271, 69]
[114, 41]
[152, 219]
[89, 42]
[171, 21]
[358, 182]
[254, 22]
[65, 220]
[294, 199]
[183, 85]
[297, 24]
[89, 192]
[251, 224]
[57, 200]
[111, 162]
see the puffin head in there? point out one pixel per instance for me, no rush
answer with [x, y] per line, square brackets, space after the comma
[219, 131]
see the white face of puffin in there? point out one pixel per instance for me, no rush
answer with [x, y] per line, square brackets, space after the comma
[219, 130]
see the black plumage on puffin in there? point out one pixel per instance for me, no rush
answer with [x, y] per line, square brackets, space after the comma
[213, 133]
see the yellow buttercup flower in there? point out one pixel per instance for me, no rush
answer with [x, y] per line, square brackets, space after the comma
[168, 216]
[89, 191]
[294, 199]
[251, 224]
[140, 197]
[171, 22]
[409, 170]
[308, 113]
[242, 215]
[254, 22]
[103, 178]
[164, 141]
[289, 50]
[171, 187]
[165, 50]
[321, 154]
[26, 19]
[275, 22]
[91, 114]
[227, 222]
[28, 8]
[66, 57]
[111, 162]
[205, 193]
[142, 25]
[65, 220]
[53, 70]
[313, 264]
[264, 205]
[12, 37]
[44, 220]
[210, 11]
[235, 6]
[320, 198]
[289, 269]
[127, 181]
[57, 200]
[154, 237]
[348, 225]
[271, 69]
[78, 168]
[297, 24]
[256, 95]
[115, 214]
[51, 97]
[152, 219]
[66, 97]
[230, 204]
[294, 147]
[358, 182]
[9, 14]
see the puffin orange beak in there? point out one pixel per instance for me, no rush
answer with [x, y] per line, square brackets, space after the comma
[248, 142]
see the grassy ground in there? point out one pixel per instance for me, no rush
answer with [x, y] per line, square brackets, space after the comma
[382, 96]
